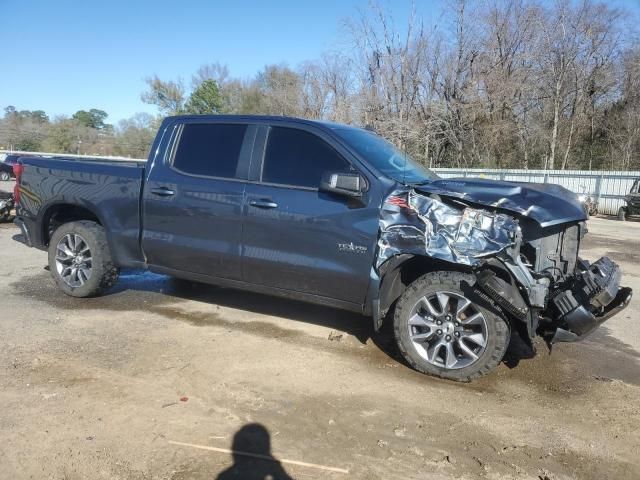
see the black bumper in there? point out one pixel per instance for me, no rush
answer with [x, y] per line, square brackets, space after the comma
[594, 297]
[580, 323]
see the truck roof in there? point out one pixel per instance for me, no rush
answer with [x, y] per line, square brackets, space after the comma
[266, 118]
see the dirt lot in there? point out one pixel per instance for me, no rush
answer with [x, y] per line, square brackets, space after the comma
[100, 388]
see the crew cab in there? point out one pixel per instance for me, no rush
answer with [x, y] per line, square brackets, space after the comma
[330, 214]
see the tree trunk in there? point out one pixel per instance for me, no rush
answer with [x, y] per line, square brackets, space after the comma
[566, 153]
[554, 134]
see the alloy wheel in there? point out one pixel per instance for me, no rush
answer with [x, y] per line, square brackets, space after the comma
[447, 330]
[73, 260]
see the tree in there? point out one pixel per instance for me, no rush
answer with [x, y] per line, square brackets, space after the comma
[205, 99]
[168, 96]
[281, 90]
[94, 118]
[63, 136]
[135, 135]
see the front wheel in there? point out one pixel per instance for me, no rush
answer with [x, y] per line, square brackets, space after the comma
[444, 328]
[622, 214]
[80, 260]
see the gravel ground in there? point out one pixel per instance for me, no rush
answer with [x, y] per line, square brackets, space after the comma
[114, 387]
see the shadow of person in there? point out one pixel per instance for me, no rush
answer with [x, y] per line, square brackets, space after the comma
[252, 457]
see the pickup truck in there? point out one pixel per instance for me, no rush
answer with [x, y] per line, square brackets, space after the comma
[330, 214]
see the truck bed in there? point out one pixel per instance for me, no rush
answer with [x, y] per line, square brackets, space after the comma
[110, 187]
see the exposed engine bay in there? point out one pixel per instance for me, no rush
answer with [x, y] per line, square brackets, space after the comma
[531, 272]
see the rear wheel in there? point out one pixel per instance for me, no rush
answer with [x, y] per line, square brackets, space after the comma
[444, 328]
[622, 214]
[80, 260]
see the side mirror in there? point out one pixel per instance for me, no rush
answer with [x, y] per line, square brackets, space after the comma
[340, 183]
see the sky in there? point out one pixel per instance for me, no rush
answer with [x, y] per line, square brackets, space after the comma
[61, 56]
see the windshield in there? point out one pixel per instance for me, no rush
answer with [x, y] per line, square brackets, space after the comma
[385, 157]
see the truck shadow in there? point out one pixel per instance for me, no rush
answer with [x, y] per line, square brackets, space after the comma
[353, 324]
[602, 356]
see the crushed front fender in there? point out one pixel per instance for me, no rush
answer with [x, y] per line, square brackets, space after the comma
[424, 225]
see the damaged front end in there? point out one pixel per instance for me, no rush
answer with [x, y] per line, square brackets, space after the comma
[529, 269]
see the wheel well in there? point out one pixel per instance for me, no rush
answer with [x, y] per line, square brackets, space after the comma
[402, 270]
[64, 213]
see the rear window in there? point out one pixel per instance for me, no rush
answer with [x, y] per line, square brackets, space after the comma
[299, 158]
[209, 149]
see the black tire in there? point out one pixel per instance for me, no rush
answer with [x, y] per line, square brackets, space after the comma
[103, 273]
[497, 329]
[622, 214]
[5, 177]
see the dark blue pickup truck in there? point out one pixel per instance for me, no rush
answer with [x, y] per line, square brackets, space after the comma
[329, 214]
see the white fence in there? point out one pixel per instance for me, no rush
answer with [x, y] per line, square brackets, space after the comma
[607, 187]
[4, 153]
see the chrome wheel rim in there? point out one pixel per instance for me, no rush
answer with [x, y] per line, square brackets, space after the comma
[447, 330]
[73, 260]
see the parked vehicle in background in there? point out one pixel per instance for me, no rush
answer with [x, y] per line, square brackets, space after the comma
[632, 201]
[588, 203]
[330, 214]
[6, 167]
[7, 205]
[7, 164]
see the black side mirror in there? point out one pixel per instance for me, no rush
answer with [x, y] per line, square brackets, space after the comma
[340, 183]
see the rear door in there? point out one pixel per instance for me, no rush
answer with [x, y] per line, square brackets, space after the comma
[193, 200]
[298, 238]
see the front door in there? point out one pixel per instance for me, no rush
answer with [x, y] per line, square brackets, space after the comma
[298, 238]
[193, 201]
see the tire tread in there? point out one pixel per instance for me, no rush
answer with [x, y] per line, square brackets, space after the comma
[440, 278]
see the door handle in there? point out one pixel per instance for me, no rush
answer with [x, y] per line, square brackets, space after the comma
[163, 192]
[263, 204]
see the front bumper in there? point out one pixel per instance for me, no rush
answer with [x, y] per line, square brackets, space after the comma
[581, 322]
[595, 297]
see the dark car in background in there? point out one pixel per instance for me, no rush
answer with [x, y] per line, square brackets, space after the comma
[6, 166]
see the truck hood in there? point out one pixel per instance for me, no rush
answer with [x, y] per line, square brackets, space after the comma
[547, 204]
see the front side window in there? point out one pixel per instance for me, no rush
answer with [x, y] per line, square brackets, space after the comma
[299, 158]
[209, 149]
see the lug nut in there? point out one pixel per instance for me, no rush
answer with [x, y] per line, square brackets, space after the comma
[448, 338]
[439, 332]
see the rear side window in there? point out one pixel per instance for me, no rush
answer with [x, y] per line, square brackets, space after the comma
[210, 149]
[295, 157]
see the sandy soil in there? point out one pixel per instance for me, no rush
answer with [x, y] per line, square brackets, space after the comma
[100, 388]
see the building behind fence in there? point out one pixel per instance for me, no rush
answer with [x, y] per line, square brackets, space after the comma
[607, 187]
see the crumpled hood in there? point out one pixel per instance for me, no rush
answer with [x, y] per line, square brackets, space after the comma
[546, 203]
